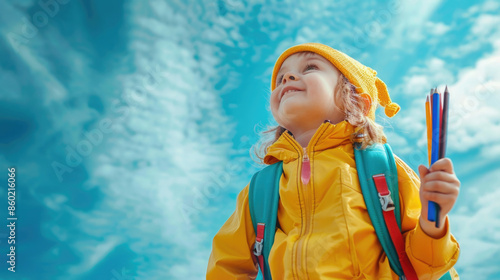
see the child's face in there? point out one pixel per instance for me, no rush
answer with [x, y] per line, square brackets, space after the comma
[314, 78]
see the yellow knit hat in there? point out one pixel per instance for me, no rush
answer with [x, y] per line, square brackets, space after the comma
[364, 78]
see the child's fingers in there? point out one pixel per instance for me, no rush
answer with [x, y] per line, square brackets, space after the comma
[422, 170]
[441, 188]
[443, 164]
[441, 176]
[440, 198]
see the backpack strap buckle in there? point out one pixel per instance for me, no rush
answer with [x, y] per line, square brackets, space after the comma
[257, 248]
[386, 202]
[384, 194]
[259, 239]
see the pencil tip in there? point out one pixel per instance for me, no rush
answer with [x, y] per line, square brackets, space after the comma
[446, 89]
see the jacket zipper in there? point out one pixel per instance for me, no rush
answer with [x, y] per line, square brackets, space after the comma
[305, 176]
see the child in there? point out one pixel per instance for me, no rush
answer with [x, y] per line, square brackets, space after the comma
[323, 101]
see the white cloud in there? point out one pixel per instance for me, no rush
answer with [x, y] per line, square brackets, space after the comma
[420, 79]
[484, 7]
[92, 252]
[436, 28]
[484, 30]
[410, 24]
[462, 50]
[476, 225]
[474, 115]
[485, 25]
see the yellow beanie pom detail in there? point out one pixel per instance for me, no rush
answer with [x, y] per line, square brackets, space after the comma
[391, 109]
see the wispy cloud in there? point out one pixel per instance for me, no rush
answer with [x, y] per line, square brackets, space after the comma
[482, 21]
[412, 25]
[436, 28]
[174, 140]
[158, 172]
[477, 227]
[481, 8]
[420, 78]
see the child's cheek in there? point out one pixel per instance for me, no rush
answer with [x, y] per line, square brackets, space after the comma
[275, 96]
[312, 84]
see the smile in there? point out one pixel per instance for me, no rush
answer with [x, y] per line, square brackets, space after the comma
[288, 90]
[292, 90]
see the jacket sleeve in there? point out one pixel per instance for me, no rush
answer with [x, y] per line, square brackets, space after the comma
[231, 256]
[430, 257]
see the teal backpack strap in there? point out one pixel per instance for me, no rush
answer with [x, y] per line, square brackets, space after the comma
[378, 159]
[446, 276]
[263, 198]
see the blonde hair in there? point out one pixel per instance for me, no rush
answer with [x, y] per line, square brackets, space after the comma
[367, 131]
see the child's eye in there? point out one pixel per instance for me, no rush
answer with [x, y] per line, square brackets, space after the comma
[278, 82]
[310, 66]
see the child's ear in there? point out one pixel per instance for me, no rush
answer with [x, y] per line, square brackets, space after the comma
[367, 100]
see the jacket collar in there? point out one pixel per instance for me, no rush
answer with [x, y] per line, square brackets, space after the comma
[327, 136]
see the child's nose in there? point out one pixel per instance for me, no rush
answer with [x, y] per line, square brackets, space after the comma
[289, 76]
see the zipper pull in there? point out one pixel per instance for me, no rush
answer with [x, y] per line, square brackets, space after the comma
[306, 169]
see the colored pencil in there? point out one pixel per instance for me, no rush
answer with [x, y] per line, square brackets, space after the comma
[432, 101]
[436, 110]
[440, 116]
[428, 123]
[435, 126]
[444, 123]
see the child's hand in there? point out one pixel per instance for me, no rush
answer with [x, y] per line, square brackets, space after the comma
[441, 185]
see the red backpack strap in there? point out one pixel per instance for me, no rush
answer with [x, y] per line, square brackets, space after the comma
[392, 226]
[257, 250]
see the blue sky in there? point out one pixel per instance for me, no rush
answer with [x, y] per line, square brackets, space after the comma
[130, 123]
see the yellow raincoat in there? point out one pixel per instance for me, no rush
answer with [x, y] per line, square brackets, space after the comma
[324, 228]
